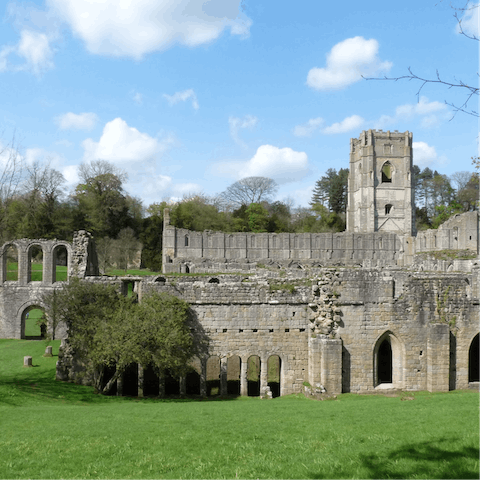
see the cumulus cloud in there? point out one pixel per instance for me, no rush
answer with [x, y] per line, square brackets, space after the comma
[235, 124]
[346, 63]
[430, 114]
[469, 22]
[74, 121]
[121, 143]
[425, 155]
[318, 124]
[284, 165]
[135, 28]
[34, 50]
[182, 97]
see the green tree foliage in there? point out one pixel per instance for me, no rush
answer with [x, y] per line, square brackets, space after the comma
[257, 216]
[331, 190]
[103, 207]
[151, 237]
[198, 213]
[106, 329]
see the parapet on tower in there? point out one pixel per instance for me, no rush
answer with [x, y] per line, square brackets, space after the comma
[380, 192]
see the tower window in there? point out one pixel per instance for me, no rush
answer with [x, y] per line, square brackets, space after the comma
[388, 209]
[387, 173]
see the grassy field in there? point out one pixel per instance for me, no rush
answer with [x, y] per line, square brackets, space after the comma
[37, 272]
[51, 429]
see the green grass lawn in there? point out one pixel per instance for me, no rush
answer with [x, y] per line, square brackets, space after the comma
[32, 329]
[52, 429]
[37, 272]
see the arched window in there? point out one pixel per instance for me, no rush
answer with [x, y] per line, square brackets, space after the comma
[234, 367]
[388, 209]
[253, 376]
[186, 240]
[273, 374]
[60, 263]
[35, 263]
[387, 172]
[10, 264]
[213, 375]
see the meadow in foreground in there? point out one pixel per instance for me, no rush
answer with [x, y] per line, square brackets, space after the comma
[51, 429]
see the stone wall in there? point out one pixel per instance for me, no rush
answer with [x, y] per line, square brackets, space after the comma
[20, 295]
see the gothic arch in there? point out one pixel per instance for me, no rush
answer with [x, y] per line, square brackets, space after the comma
[388, 361]
[473, 360]
[387, 172]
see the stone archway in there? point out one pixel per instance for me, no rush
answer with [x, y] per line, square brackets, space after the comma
[474, 360]
[388, 360]
[30, 327]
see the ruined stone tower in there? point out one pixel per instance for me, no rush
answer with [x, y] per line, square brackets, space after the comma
[380, 183]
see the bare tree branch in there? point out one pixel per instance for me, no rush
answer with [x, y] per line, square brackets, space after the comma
[470, 90]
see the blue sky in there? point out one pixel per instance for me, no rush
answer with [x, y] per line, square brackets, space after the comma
[190, 96]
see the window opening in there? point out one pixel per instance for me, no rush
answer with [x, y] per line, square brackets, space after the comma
[234, 364]
[387, 173]
[60, 259]
[36, 264]
[388, 209]
[273, 374]
[11, 263]
[213, 376]
[253, 376]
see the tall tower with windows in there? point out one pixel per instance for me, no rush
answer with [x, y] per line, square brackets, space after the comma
[380, 183]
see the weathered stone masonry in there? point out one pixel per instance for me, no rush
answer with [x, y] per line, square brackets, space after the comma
[352, 312]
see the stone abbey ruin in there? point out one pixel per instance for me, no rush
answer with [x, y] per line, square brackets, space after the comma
[366, 310]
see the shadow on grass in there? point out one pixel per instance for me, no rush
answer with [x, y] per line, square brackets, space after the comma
[437, 459]
[38, 384]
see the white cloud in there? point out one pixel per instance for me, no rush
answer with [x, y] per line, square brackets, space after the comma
[33, 49]
[182, 97]
[235, 124]
[74, 121]
[425, 155]
[470, 20]
[134, 28]
[284, 165]
[121, 143]
[346, 63]
[70, 174]
[310, 127]
[346, 125]
[430, 114]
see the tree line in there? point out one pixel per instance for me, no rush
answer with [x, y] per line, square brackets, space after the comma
[34, 203]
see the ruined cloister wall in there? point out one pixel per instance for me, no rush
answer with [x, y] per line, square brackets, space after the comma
[18, 296]
[200, 250]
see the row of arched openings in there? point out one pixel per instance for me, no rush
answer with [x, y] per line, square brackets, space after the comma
[171, 384]
[35, 268]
